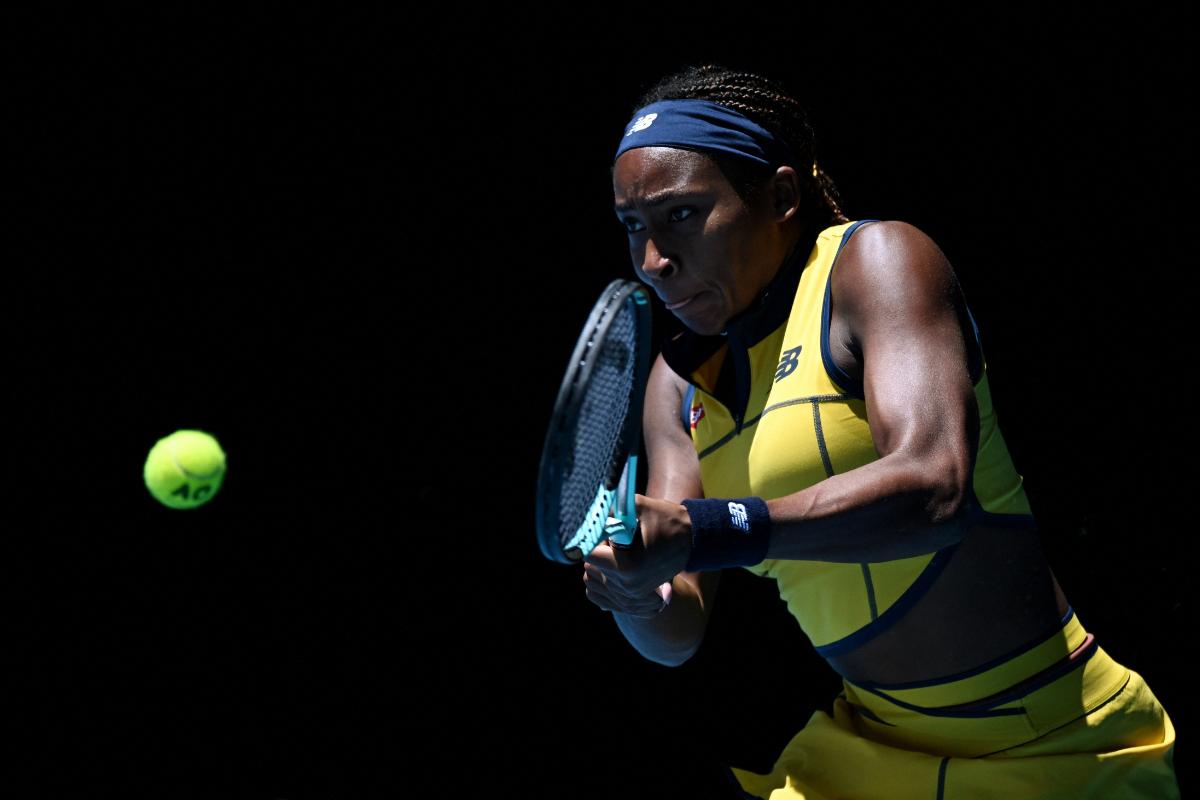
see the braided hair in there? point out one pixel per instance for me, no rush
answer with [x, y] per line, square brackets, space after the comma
[769, 104]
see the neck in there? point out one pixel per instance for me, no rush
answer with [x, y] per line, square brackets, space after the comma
[797, 243]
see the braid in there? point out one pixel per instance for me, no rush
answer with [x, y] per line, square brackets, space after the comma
[769, 104]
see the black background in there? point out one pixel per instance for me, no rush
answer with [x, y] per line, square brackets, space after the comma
[358, 250]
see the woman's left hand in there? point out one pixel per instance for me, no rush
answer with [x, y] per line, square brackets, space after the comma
[659, 552]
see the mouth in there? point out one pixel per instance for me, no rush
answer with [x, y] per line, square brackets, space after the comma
[683, 302]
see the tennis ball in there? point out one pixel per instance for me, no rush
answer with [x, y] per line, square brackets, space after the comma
[185, 469]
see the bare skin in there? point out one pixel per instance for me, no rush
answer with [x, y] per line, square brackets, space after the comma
[896, 323]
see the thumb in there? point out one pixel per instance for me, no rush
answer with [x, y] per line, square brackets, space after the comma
[635, 544]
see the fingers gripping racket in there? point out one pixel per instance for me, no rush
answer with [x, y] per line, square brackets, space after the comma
[588, 473]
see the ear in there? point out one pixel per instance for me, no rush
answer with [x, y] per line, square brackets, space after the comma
[785, 193]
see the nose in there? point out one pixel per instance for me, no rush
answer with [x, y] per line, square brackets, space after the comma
[655, 265]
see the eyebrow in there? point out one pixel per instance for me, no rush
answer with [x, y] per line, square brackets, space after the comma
[654, 200]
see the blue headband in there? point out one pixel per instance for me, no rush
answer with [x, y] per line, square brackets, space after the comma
[705, 126]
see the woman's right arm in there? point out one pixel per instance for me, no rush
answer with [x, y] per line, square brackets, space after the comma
[672, 636]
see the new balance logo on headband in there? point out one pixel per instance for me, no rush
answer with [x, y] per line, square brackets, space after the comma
[737, 516]
[641, 124]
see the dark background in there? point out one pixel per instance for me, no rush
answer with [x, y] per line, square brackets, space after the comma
[358, 250]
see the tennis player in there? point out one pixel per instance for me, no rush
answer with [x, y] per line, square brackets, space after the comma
[825, 421]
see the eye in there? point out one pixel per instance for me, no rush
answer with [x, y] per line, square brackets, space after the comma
[678, 214]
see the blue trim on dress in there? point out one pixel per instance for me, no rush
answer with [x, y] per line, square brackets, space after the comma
[863, 711]
[987, 706]
[1051, 674]
[852, 387]
[686, 411]
[982, 713]
[896, 611]
[993, 520]
[1065, 724]
[992, 664]
[870, 587]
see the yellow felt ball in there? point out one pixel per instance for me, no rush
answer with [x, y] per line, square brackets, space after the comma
[185, 469]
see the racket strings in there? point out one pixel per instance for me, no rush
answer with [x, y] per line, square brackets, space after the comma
[598, 432]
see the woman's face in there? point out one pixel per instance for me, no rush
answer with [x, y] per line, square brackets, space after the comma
[691, 237]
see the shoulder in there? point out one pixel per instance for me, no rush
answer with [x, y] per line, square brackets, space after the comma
[665, 376]
[674, 467]
[890, 265]
[665, 390]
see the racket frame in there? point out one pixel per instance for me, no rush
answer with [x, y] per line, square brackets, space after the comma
[613, 513]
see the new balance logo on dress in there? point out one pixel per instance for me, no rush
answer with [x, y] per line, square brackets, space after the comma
[737, 515]
[787, 364]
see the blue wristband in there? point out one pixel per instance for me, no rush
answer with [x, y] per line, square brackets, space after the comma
[728, 533]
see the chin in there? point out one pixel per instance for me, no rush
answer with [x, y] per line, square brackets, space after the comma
[703, 327]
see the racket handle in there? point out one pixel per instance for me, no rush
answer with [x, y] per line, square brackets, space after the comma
[625, 506]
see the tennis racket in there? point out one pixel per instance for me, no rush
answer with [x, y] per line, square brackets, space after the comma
[588, 473]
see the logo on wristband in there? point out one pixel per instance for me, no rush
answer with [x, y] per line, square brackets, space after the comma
[737, 514]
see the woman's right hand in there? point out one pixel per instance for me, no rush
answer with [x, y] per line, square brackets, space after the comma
[610, 597]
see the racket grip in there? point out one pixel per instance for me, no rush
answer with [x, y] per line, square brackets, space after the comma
[625, 506]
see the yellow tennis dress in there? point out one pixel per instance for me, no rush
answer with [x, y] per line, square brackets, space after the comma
[770, 413]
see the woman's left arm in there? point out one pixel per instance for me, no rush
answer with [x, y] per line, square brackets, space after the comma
[903, 311]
